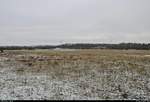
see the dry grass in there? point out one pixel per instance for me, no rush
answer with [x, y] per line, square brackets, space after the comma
[129, 59]
[99, 74]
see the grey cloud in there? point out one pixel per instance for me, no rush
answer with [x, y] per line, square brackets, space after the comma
[57, 21]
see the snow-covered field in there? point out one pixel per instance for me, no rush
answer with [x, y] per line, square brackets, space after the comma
[84, 76]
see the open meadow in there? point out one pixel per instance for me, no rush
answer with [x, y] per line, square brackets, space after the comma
[74, 74]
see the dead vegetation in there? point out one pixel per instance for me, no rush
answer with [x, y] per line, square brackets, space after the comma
[84, 74]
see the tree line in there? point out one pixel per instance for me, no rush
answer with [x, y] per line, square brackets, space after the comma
[137, 46]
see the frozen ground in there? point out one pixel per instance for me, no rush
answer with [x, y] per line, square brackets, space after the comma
[78, 84]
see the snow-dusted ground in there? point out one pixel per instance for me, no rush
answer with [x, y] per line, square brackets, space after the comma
[91, 84]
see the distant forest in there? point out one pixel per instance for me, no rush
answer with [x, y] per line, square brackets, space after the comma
[126, 46]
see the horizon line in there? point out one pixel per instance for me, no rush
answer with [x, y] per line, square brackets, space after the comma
[70, 44]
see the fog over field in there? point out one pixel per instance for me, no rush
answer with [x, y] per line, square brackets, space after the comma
[40, 22]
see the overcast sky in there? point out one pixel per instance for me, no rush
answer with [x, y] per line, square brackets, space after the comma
[34, 22]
